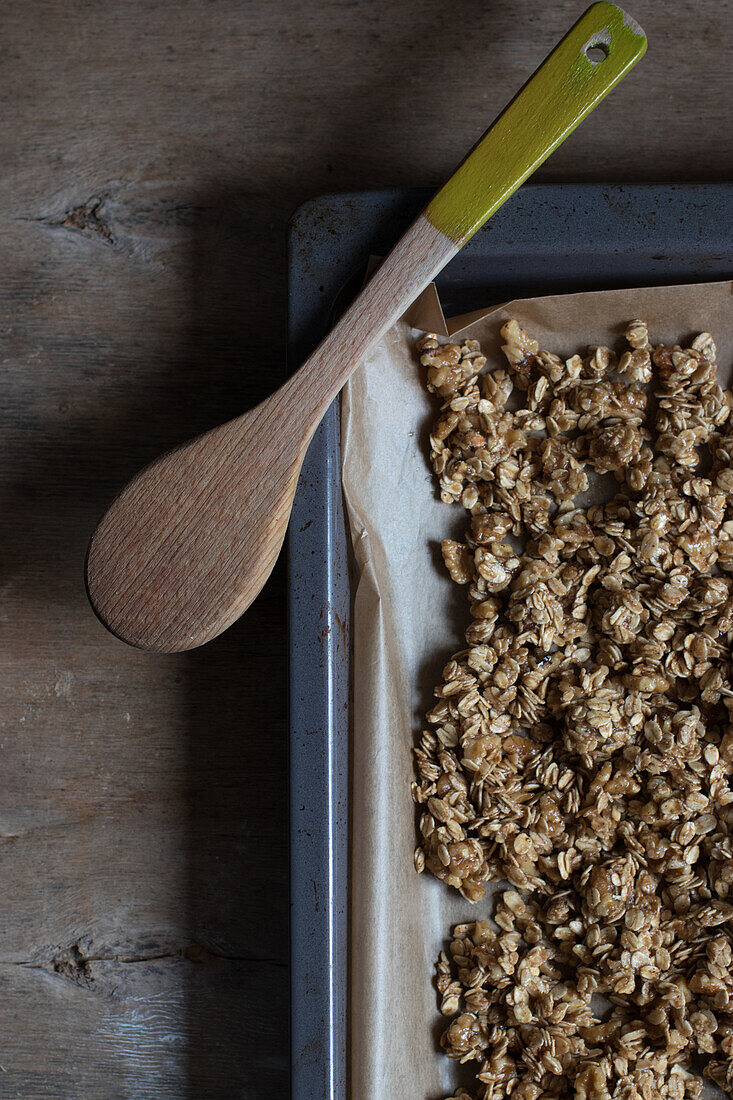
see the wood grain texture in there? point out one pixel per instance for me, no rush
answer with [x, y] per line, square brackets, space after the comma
[152, 153]
[187, 545]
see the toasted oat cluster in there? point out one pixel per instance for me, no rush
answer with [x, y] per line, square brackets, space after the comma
[581, 746]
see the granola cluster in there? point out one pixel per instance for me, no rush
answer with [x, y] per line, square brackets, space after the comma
[581, 746]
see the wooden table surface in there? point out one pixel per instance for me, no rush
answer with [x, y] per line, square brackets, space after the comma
[152, 153]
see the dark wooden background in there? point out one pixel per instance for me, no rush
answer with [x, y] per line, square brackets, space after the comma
[152, 152]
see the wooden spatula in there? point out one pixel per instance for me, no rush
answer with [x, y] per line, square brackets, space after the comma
[189, 543]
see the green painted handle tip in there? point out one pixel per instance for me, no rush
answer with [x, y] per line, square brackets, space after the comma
[595, 54]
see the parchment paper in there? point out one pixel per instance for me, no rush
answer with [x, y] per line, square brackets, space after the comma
[408, 619]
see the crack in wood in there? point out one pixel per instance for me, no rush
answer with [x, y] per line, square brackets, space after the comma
[75, 964]
[88, 218]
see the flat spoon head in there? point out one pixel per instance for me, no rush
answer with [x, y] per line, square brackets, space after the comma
[187, 545]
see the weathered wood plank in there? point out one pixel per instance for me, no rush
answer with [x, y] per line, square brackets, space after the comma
[144, 1030]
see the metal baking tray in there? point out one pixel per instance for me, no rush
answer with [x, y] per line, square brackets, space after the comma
[546, 239]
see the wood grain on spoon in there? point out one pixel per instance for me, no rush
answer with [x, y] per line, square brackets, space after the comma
[189, 543]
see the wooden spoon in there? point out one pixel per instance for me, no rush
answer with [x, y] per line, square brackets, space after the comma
[191, 540]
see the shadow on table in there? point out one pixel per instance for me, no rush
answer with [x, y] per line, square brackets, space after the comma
[228, 699]
[237, 858]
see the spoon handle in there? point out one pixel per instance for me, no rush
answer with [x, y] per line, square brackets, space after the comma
[595, 54]
[585, 66]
